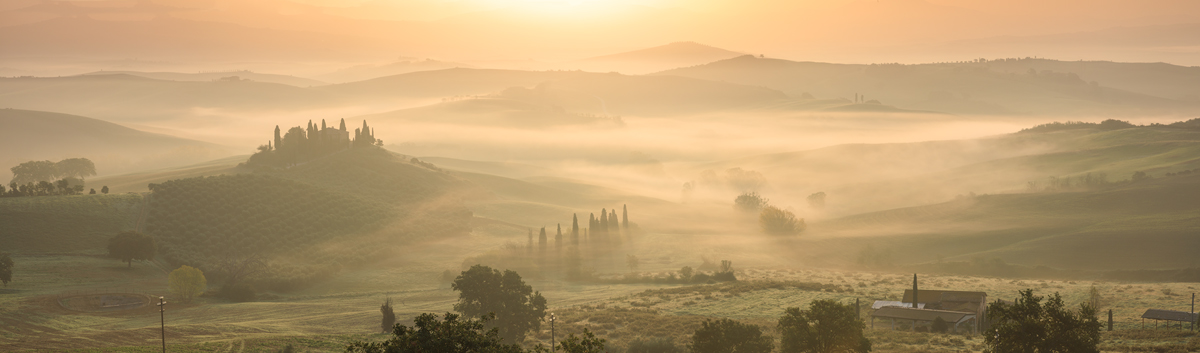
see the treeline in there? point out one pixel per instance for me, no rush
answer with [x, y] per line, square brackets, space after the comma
[1110, 124]
[46, 178]
[300, 144]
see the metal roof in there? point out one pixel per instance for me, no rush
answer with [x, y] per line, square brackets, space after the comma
[885, 303]
[891, 312]
[1170, 315]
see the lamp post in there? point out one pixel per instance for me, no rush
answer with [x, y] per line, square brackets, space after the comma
[552, 320]
[162, 317]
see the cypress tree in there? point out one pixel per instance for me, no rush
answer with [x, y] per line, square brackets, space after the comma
[575, 229]
[322, 124]
[278, 139]
[558, 239]
[529, 246]
[625, 217]
[602, 228]
[542, 241]
[614, 227]
[343, 125]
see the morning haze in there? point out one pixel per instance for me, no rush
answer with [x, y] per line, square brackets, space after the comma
[626, 176]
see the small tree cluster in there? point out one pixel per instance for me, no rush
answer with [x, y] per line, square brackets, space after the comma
[301, 144]
[727, 336]
[776, 221]
[36, 171]
[1029, 326]
[826, 327]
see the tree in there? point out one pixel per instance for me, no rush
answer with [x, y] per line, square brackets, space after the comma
[625, 217]
[389, 316]
[542, 241]
[6, 269]
[827, 326]
[186, 282]
[817, 200]
[130, 245]
[75, 167]
[574, 230]
[449, 335]
[633, 262]
[657, 345]
[34, 171]
[558, 239]
[1027, 325]
[686, 273]
[779, 222]
[517, 307]
[729, 336]
[104, 190]
[92, 192]
[586, 344]
[750, 202]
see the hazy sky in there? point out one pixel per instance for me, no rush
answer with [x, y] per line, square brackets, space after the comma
[852, 31]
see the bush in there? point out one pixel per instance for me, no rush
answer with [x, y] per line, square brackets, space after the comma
[776, 221]
[656, 345]
[725, 335]
[750, 202]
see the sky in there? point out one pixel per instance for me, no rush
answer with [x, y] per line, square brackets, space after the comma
[847, 31]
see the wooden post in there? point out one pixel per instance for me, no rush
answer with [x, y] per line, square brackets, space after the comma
[162, 316]
[914, 298]
[1110, 319]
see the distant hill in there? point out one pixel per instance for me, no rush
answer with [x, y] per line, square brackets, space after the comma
[128, 97]
[1142, 225]
[216, 76]
[366, 72]
[446, 83]
[964, 88]
[36, 135]
[674, 55]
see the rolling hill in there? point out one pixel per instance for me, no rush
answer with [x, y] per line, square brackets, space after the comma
[36, 135]
[128, 97]
[367, 72]
[215, 76]
[445, 83]
[665, 57]
[988, 88]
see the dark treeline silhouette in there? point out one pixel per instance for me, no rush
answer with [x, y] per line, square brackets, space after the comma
[301, 144]
[46, 178]
[1110, 124]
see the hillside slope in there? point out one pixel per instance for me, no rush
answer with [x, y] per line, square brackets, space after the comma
[38, 135]
[664, 57]
[966, 88]
[214, 76]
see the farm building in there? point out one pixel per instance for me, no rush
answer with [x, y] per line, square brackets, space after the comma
[1168, 315]
[922, 316]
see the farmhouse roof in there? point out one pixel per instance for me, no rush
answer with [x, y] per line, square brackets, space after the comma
[1170, 315]
[921, 314]
[885, 303]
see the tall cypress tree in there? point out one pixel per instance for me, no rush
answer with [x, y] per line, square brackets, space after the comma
[602, 228]
[614, 228]
[558, 239]
[542, 241]
[625, 217]
[574, 229]
[278, 139]
[343, 125]
[529, 246]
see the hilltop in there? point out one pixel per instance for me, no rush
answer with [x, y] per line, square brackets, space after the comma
[37, 135]
[979, 87]
[367, 72]
[674, 55]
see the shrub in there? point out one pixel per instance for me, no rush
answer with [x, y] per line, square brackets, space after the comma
[776, 221]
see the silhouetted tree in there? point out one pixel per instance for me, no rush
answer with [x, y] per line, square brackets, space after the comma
[826, 327]
[452, 334]
[517, 307]
[625, 217]
[389, 316]
[1027, 325]
[779, 222]
[729, 336]
[750, 202]
[657, 345]
[574, 229]
[130, 245]
[558, 239]
[588, 343]
[6, 269]
[34, 171]
[633, 262]
[75, 167]
[817, 200]
[104, 190]
[92, 192]
[542, 241]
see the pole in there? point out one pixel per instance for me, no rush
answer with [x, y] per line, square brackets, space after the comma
[1193, 323]
[1110, 319]
[552, 320]
[914, 291]
[162, 317]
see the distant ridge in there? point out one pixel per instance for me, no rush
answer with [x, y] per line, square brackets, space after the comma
[674, 55]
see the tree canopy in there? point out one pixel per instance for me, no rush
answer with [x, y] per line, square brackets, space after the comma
[483, 290]
[1030, 326]
[130, 245]
[827, 326]
[186, 282]
[36, 171]
[776, 221]
[729, 336]
[452, 334]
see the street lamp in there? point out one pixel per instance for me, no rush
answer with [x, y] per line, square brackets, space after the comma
[162, 317]
[552, 320]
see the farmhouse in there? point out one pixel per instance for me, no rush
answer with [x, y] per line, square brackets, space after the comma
[955, 318]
